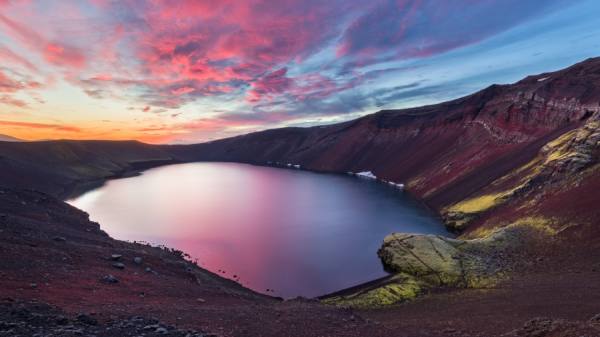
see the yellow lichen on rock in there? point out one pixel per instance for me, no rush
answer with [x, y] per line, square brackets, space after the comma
[570, 151]
[398, 288]
[421, 262]
[477, 204]
[575, 147]
[546, 226]
[430, 257]
[560, 141]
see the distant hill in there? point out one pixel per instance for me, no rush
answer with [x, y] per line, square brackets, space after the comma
[57, 167]
[5, 138]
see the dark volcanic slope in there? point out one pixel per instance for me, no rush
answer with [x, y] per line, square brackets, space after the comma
[444, 152]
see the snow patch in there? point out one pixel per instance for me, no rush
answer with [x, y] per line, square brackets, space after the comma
[366, 174]
[542, 79]
[397, 185]
[370, 175]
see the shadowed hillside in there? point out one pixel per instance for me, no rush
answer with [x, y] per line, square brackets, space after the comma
[61, 167]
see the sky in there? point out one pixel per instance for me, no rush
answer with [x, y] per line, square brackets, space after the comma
[163, 71]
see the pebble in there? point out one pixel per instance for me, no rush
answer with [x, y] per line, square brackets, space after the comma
[595, 321]
[59, 239]
[149, 270]
[85, 319]
[137, 260]
[109, 279]
[118, 265]
[116, 257]
[151, 327]
[61, 320]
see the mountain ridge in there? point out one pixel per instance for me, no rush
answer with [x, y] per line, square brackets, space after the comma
[7, 138]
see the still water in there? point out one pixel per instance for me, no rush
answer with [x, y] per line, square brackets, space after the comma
[295, 232]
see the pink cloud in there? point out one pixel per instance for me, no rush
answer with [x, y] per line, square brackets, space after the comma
[309, 86]
[180, 51]
[269, 85]
[8, 100]
[182, 90]
[10, 86]
[8, 55]
[254, 54]
[64, 55]
[53, 52]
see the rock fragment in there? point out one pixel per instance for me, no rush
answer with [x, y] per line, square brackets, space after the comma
[118, 265]
[86, 319]
[109, 279]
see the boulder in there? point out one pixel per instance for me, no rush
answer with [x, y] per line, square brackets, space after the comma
[432, 258]
[419, 263]
[118, 265]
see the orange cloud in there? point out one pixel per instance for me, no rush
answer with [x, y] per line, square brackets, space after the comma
[57, 127]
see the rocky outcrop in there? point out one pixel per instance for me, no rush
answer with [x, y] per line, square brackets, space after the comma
[555, 162]
[432, 258]
[575, 150]
[421, 262]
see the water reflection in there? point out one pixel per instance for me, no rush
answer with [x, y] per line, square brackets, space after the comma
[296, 232]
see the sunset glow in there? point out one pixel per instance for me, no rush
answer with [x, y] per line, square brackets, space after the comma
[190, 71]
